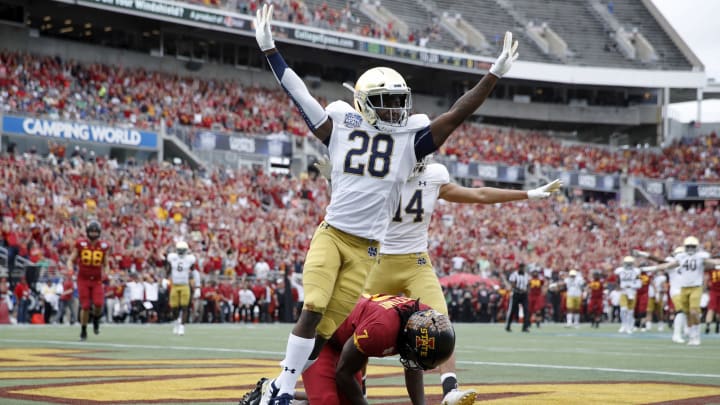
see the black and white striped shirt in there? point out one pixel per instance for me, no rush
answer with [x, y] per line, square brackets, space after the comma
[519, 281]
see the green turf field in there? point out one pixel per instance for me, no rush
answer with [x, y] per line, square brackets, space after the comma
[218, 363]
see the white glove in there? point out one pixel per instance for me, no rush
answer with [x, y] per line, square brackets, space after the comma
[263, 35]
[640, 253]
[324, 167]
[508, 55]
[544, 191]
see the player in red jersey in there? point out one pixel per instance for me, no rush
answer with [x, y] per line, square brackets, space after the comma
[379, 326]
[641, 300]
[714, 304]
[596, 290]
[536, 296]
[91, 256]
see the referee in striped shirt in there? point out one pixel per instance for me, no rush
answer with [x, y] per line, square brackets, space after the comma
[518, 281]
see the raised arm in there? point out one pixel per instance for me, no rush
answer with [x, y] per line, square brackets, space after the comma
[656, 259]
[442, 126]
[490, 195]
[312, 112]
[667, 265]
[711, 264]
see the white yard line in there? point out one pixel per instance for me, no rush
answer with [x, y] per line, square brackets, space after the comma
[388, 359]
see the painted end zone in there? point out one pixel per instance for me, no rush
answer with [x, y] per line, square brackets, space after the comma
[70, 376]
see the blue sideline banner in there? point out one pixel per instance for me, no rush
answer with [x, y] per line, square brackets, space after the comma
[270, 146]
[693, 191]
[79, 131]
[587, 181]
[485, 171]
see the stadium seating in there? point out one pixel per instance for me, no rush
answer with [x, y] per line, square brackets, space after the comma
[64, 89]
[589, 41]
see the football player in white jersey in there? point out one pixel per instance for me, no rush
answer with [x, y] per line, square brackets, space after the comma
[679, 317]
[404, 267]
[691, 265]
[573, 299]
[629, 279]
[373, 148]
[180, 264]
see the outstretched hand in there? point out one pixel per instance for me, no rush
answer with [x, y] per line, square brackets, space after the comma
[263, 33]
[508, 55]
[545, 191]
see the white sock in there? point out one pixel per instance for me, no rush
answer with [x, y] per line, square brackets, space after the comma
[447, 375]
[297, 354]
[577, 319]
[695, 332]
[569, 318]
[629, 319]
[678, 324]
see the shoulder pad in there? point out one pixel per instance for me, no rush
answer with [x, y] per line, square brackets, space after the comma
[437, 173]
[418, 121]
[339, 106]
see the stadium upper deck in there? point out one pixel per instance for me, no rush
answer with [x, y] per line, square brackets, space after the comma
[589, 37]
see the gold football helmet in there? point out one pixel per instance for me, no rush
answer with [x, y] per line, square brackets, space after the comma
[691, 244]
[182, 248]
[382, 97]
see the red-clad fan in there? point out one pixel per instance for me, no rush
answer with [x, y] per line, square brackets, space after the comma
[714, 304]
[596, 290]
[536, 296]
[642, 299]
[91, 256]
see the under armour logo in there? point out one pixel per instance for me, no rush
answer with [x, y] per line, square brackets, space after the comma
[291, 370]
[372, 251]
[422, 183]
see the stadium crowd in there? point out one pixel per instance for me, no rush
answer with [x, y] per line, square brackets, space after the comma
[251, 225]
[696, 159]
[65, 89]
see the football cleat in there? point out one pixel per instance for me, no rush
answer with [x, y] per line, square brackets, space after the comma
[252, 397]
[96, 325]
[181, 330]
[268, 390]
[284, 399]
[457, 397]
[83, 334]
[678, 339]
[694, 342]
[176, 328]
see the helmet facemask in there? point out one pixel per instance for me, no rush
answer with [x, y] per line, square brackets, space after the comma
[382, 98]
[420, 166]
